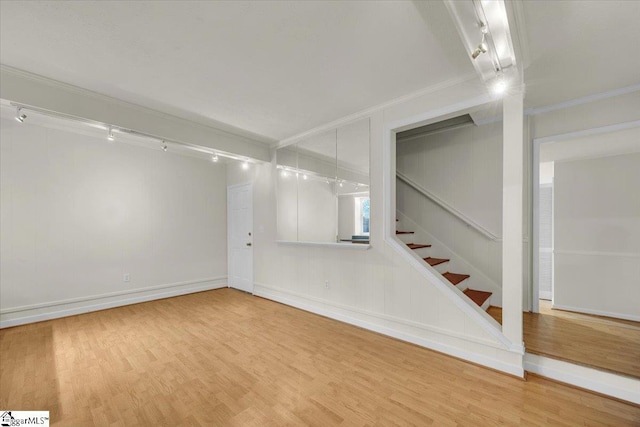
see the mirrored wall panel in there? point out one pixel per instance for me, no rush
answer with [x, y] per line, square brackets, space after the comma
[323, 187]
[287, 193]
[353, 182]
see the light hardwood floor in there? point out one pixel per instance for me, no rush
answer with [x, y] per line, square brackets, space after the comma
[227, 358]
[600, 342]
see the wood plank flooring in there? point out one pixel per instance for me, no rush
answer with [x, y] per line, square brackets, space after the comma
[595, 341]
[227, 358]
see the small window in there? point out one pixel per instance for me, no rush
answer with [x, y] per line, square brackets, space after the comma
[362, 215]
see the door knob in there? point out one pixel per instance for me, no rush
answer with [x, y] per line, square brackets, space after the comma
[248, 244]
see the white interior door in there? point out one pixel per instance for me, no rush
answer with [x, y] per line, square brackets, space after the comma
[240, 236]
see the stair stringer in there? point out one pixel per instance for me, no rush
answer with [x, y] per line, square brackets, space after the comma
[458, 264]
[474, 312]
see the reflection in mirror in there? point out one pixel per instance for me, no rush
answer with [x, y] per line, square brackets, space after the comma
[323, 187]
[317, 207]
[287, 193]
[353, 182]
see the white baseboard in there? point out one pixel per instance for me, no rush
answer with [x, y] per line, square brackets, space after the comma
[623, 316]
[618, 386]
[329, 310]
[39, 312]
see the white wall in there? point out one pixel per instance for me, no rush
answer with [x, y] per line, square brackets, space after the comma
[597, 235]
[572, 119]
[77, 213]
[545, 245]
[375, 288]
[463, 167]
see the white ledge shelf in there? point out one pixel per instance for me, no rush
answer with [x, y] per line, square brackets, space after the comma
[353, 246]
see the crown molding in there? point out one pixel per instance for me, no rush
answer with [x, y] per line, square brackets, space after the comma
[583, 100]
[377, 108]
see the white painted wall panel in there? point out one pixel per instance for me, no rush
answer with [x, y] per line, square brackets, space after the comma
[597, 235]
[461, 166]
[78, 213]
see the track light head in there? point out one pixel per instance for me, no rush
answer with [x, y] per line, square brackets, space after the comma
[482, 47]
[20, 116]
[110, 134]
[214, 158]
[245, 165]
[164, 146]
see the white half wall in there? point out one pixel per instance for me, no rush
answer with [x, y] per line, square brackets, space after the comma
[597, 236]
[378, 288]
[78, 213]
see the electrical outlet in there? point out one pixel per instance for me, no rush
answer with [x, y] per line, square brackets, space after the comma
[326, 284]
[126, 277]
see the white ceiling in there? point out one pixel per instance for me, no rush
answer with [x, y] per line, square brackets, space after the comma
[274, 69]
[578, 48]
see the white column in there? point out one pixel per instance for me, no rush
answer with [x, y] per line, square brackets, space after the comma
[512, 181]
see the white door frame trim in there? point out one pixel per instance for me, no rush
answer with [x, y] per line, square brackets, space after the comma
[535, 184]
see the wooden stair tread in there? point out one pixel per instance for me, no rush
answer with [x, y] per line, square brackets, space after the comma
[479, 297]
[404, 232]
[417, 246]
[455, 278]
[435, 261]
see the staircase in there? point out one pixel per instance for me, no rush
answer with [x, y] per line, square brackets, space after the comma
[459, 280]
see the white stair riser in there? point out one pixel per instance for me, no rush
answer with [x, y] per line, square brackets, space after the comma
[407, 238]
[450, 265]
[442, 268]
[463, 285]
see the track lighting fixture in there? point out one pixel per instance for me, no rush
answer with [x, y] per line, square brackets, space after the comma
[20, 116]
[164, 146]
[214, 158]
[304, 176]
[482, 47]
[245, 165]
[110, 134]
